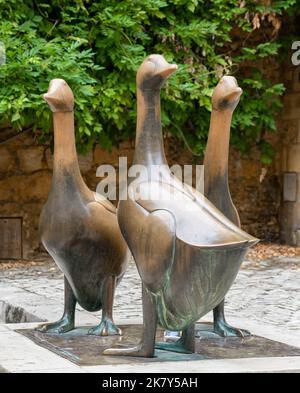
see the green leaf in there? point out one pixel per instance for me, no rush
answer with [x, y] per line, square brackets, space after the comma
[16, 116]
[98, 46]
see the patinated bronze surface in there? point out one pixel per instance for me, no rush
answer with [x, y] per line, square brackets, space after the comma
[224, 101]
[79, 228]
[86, 350]
[187, 252]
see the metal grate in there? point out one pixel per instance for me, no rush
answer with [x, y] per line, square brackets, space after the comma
[290, 180]
[10, 238]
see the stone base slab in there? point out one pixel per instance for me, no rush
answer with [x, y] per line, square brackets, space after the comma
[20, 354]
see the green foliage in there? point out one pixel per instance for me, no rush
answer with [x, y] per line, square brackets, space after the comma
[97, 46]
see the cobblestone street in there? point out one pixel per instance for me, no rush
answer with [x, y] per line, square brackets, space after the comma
[267, 292]
[264, 299]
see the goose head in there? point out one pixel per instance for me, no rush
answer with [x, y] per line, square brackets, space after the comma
[153, 72]
[59, 97]
[226, 94]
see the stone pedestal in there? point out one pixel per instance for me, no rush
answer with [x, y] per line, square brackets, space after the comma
[85, 350]
[22, 351]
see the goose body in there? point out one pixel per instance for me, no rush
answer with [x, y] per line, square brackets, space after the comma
[78, 228]
[82, 236]
[183, 251]
[187, 252]
[225, 99]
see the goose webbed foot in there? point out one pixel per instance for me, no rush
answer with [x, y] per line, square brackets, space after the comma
[185, 344]
[67, 322]
[106, 328]
[64, 325]
[223, 329]
[145, 349]
[138, 351]
[177, 346]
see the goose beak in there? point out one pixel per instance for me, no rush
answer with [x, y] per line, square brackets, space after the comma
[50, 99]
[47, 97]
[55, 87]
[59, 96]
[51, 95]
[235, 94]
[165, 72]
[239, 91]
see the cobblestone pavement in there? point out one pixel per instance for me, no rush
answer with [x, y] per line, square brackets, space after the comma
[266, 292]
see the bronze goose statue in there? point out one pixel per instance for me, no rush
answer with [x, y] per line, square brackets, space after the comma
[225, 99]
[187, 252]
[78, 228]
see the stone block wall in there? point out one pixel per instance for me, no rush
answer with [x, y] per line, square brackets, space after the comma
[24, 184]
[25, 180]
[26, 172]
[290, 209]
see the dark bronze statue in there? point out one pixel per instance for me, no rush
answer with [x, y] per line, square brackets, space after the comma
[225, 99]
[79, 228]
[187, 252]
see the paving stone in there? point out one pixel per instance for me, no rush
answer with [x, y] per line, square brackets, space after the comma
[268, 294]
[19, 355]
[264, 300]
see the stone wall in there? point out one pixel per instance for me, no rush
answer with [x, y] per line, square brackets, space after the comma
[25, 180]
[290, 211]
[24, 184]
[256, 192]
[26, 171]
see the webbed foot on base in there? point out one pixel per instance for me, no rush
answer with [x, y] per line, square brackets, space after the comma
[185, 344]
[106, 328]
[223, 329]
[138, 351]
[177, 346]
[64, 325]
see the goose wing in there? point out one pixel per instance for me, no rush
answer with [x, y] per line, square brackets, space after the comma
[151, 238]
[198, 222]
[105, 203]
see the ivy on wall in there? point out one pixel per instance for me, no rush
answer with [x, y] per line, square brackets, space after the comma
[97, 46]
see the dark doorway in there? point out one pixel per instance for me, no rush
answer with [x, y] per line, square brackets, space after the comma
[11, 238]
